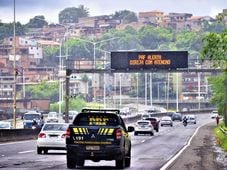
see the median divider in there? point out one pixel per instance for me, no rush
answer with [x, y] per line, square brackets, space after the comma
[9, 135]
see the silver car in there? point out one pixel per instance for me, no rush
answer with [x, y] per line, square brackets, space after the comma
[52, 137]
[52, 117]
[144, 127]
[166, 121]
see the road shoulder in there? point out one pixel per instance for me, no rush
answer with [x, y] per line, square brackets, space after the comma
[201, 154]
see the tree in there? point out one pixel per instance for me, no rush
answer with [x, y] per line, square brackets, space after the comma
[44, 90]
[49, 57]
[6, 30]
[125, 16]
[215, 49]
[72, 15]
[37, 22]
[152, 37]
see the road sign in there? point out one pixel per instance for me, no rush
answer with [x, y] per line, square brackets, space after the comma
[145, 60]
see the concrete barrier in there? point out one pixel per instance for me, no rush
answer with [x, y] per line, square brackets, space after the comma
[8, 135]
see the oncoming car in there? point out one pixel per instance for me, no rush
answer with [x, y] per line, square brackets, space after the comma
[144, 127]
[52, 137]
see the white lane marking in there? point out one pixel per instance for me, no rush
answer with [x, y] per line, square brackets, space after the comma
[26, 151]
[13, 143]
[143, 141]
[165, 166]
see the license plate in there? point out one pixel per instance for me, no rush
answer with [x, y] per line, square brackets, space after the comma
[93, 148]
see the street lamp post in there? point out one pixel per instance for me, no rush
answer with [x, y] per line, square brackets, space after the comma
[94, 45]
[145, 95]
[151, 102]
[177, 88]
[94, 52]
[14, 66]
[120, 74]
[104, 76]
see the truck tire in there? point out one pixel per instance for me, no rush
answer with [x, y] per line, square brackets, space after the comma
[39, 150]
[128, 159]
[120, 164]
[70, 161]
[79, 162]
[45, 151]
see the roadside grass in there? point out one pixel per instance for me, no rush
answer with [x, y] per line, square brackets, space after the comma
[221, 138]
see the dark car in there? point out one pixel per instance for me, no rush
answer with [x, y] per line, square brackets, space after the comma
[177, 116]
[155, 122]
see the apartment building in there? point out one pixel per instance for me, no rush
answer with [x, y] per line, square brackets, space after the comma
[151, 17]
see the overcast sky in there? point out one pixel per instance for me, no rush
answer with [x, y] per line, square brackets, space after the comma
[27, 9]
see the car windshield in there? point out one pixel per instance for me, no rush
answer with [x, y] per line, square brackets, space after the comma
[55, 127]
[143, 123]
[31, 116]
[52, 115]
[72, 112]
[166, 118]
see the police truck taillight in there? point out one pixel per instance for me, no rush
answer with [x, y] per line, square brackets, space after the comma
[118, 133]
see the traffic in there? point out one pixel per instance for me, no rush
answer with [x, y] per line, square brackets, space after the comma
[50, 151]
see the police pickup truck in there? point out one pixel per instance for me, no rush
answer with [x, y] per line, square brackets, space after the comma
[98, 135]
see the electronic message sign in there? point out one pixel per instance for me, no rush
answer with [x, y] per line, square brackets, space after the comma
[145, 60]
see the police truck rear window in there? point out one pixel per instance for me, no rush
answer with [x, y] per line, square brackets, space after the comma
[96, 119]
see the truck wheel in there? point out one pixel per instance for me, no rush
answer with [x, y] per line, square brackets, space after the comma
[79, 162]
[128, 159]
[45, 151]
[70, 161]
[120, 164]
[39, 150]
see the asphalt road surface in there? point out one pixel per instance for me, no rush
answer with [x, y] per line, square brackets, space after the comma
[148, 152]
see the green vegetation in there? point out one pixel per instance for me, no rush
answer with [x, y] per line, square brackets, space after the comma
[74, 104]
[37, 22]
[72, 15]
[215, 49]
[44, 90]
[221, 138]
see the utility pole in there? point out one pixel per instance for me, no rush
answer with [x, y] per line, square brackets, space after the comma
[68, 73]
[14, 68]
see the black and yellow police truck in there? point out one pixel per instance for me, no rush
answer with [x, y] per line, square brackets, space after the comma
[98, 135]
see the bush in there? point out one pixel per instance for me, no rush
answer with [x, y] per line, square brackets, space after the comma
[221, 137]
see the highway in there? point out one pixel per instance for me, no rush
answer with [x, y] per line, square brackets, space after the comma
[148, 152]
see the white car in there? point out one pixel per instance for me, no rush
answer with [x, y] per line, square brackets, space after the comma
[214, 114]
[166, 120]
[144, 127]
[5, 125]
[52, 137]
[191, 119]
[52, 117]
